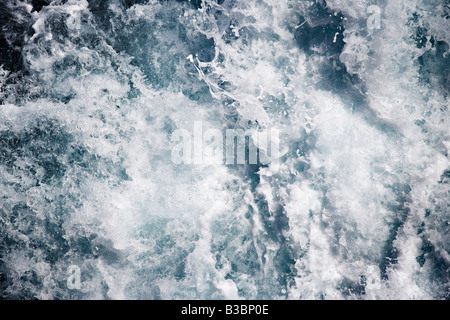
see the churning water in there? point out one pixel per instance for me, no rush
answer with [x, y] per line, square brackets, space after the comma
[92, 90]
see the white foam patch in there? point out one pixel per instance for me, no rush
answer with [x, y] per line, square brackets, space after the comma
[355, 9]
[394, 90]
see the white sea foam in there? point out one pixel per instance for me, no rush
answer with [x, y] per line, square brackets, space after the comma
[316, 227]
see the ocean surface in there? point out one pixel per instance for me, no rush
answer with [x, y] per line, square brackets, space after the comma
[92, 205]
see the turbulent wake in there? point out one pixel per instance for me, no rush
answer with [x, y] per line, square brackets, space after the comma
[94, 92]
